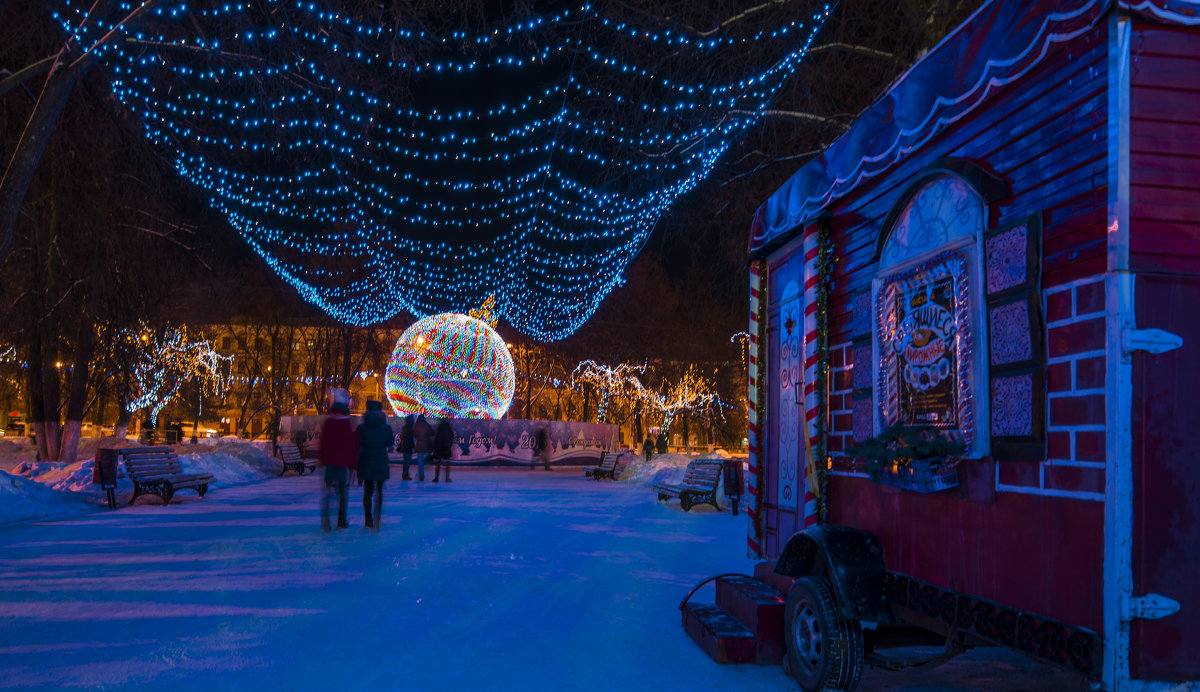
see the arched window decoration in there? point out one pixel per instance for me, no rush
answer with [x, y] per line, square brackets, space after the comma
[941, 212]
[927, 312]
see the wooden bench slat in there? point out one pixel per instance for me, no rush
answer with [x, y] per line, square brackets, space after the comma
[293, 460]
[606, 469]
[157, 471]
[698, 486]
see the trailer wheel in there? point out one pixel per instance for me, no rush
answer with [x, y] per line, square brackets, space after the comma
[824, 651]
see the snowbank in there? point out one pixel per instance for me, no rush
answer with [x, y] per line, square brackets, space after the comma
[22, 499]
[31, 489]
[232, 463]
[667, 468]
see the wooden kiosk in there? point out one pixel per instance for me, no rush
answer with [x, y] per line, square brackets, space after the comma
[1004, 249]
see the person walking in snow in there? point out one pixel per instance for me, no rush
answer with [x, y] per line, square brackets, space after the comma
[443, 448]
[543, 448]
[648, 446]
[375, 440]
[339, 454]
[661, 447]
[406, 444]
[422, 444]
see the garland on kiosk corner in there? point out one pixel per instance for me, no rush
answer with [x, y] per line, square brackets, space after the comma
[825, 262]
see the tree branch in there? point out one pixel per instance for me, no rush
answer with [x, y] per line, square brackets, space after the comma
[797, 115]
[860, 50]
[16, 79]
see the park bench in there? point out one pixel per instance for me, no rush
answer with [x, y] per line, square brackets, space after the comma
[293, 460]
[157, 471]
[699, 485]
[606, 469]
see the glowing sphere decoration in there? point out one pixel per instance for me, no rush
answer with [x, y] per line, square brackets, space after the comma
[451, 364]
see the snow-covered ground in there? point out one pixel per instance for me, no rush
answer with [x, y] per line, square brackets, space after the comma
[504, 579]
[31, 489]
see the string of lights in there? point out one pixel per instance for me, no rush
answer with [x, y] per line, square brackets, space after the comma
[693, 392]
[164, 362]
[451, 364]
[379, 168]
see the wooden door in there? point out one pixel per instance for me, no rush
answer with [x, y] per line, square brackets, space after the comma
[1166, 472]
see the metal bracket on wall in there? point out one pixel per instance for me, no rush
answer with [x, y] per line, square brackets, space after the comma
[1150, 340]
[1152, 606]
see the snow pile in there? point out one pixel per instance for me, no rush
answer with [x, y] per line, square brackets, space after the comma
[230, 463]
[13, 450]
[664, 468]
[39, 489]
[59, 475]
[22, 499]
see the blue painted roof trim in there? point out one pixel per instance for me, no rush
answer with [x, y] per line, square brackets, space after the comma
[998, 44]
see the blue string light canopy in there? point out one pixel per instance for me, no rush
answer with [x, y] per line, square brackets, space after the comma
[380, 169]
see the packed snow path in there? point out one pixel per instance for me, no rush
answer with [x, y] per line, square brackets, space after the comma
[501, 580]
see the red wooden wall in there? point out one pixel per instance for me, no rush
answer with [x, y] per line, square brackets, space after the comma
[1026, 534]
[1165, 252]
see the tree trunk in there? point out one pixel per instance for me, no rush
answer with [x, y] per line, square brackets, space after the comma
[121, 426]
[347, 347]
[44, 397]
[68, 447]
[19, 172]
[77, 393]
[68, 66]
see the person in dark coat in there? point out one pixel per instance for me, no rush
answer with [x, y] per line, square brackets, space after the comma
[543, 447]
[422, 444]
[661, 447]
[375, 440]
[406, 444]
[339, 454]
[443, 449]
[648, 446]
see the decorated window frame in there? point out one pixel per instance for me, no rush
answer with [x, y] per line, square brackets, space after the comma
[929, 320]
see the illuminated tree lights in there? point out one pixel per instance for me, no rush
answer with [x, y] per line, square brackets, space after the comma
[451, 364]
[162, 363]
[380, 169]
[693, 392]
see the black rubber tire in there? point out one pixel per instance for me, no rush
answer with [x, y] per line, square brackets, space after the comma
[824, 651]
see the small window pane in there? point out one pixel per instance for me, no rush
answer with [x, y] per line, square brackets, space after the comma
[944, 210]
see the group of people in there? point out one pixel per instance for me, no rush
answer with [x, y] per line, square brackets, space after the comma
[366, 448]
[650, 446]
[418, 438]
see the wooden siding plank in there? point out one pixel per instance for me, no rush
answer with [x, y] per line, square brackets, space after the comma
[1164, 205]
[1151, 103]
[1166, 70]
[1179, 170]
[1168, 203]
[1157, 39]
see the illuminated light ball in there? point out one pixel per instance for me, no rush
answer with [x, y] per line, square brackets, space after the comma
[451, 364]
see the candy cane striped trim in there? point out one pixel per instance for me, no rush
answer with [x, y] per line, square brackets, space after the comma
[753, 505]
[811, 403]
